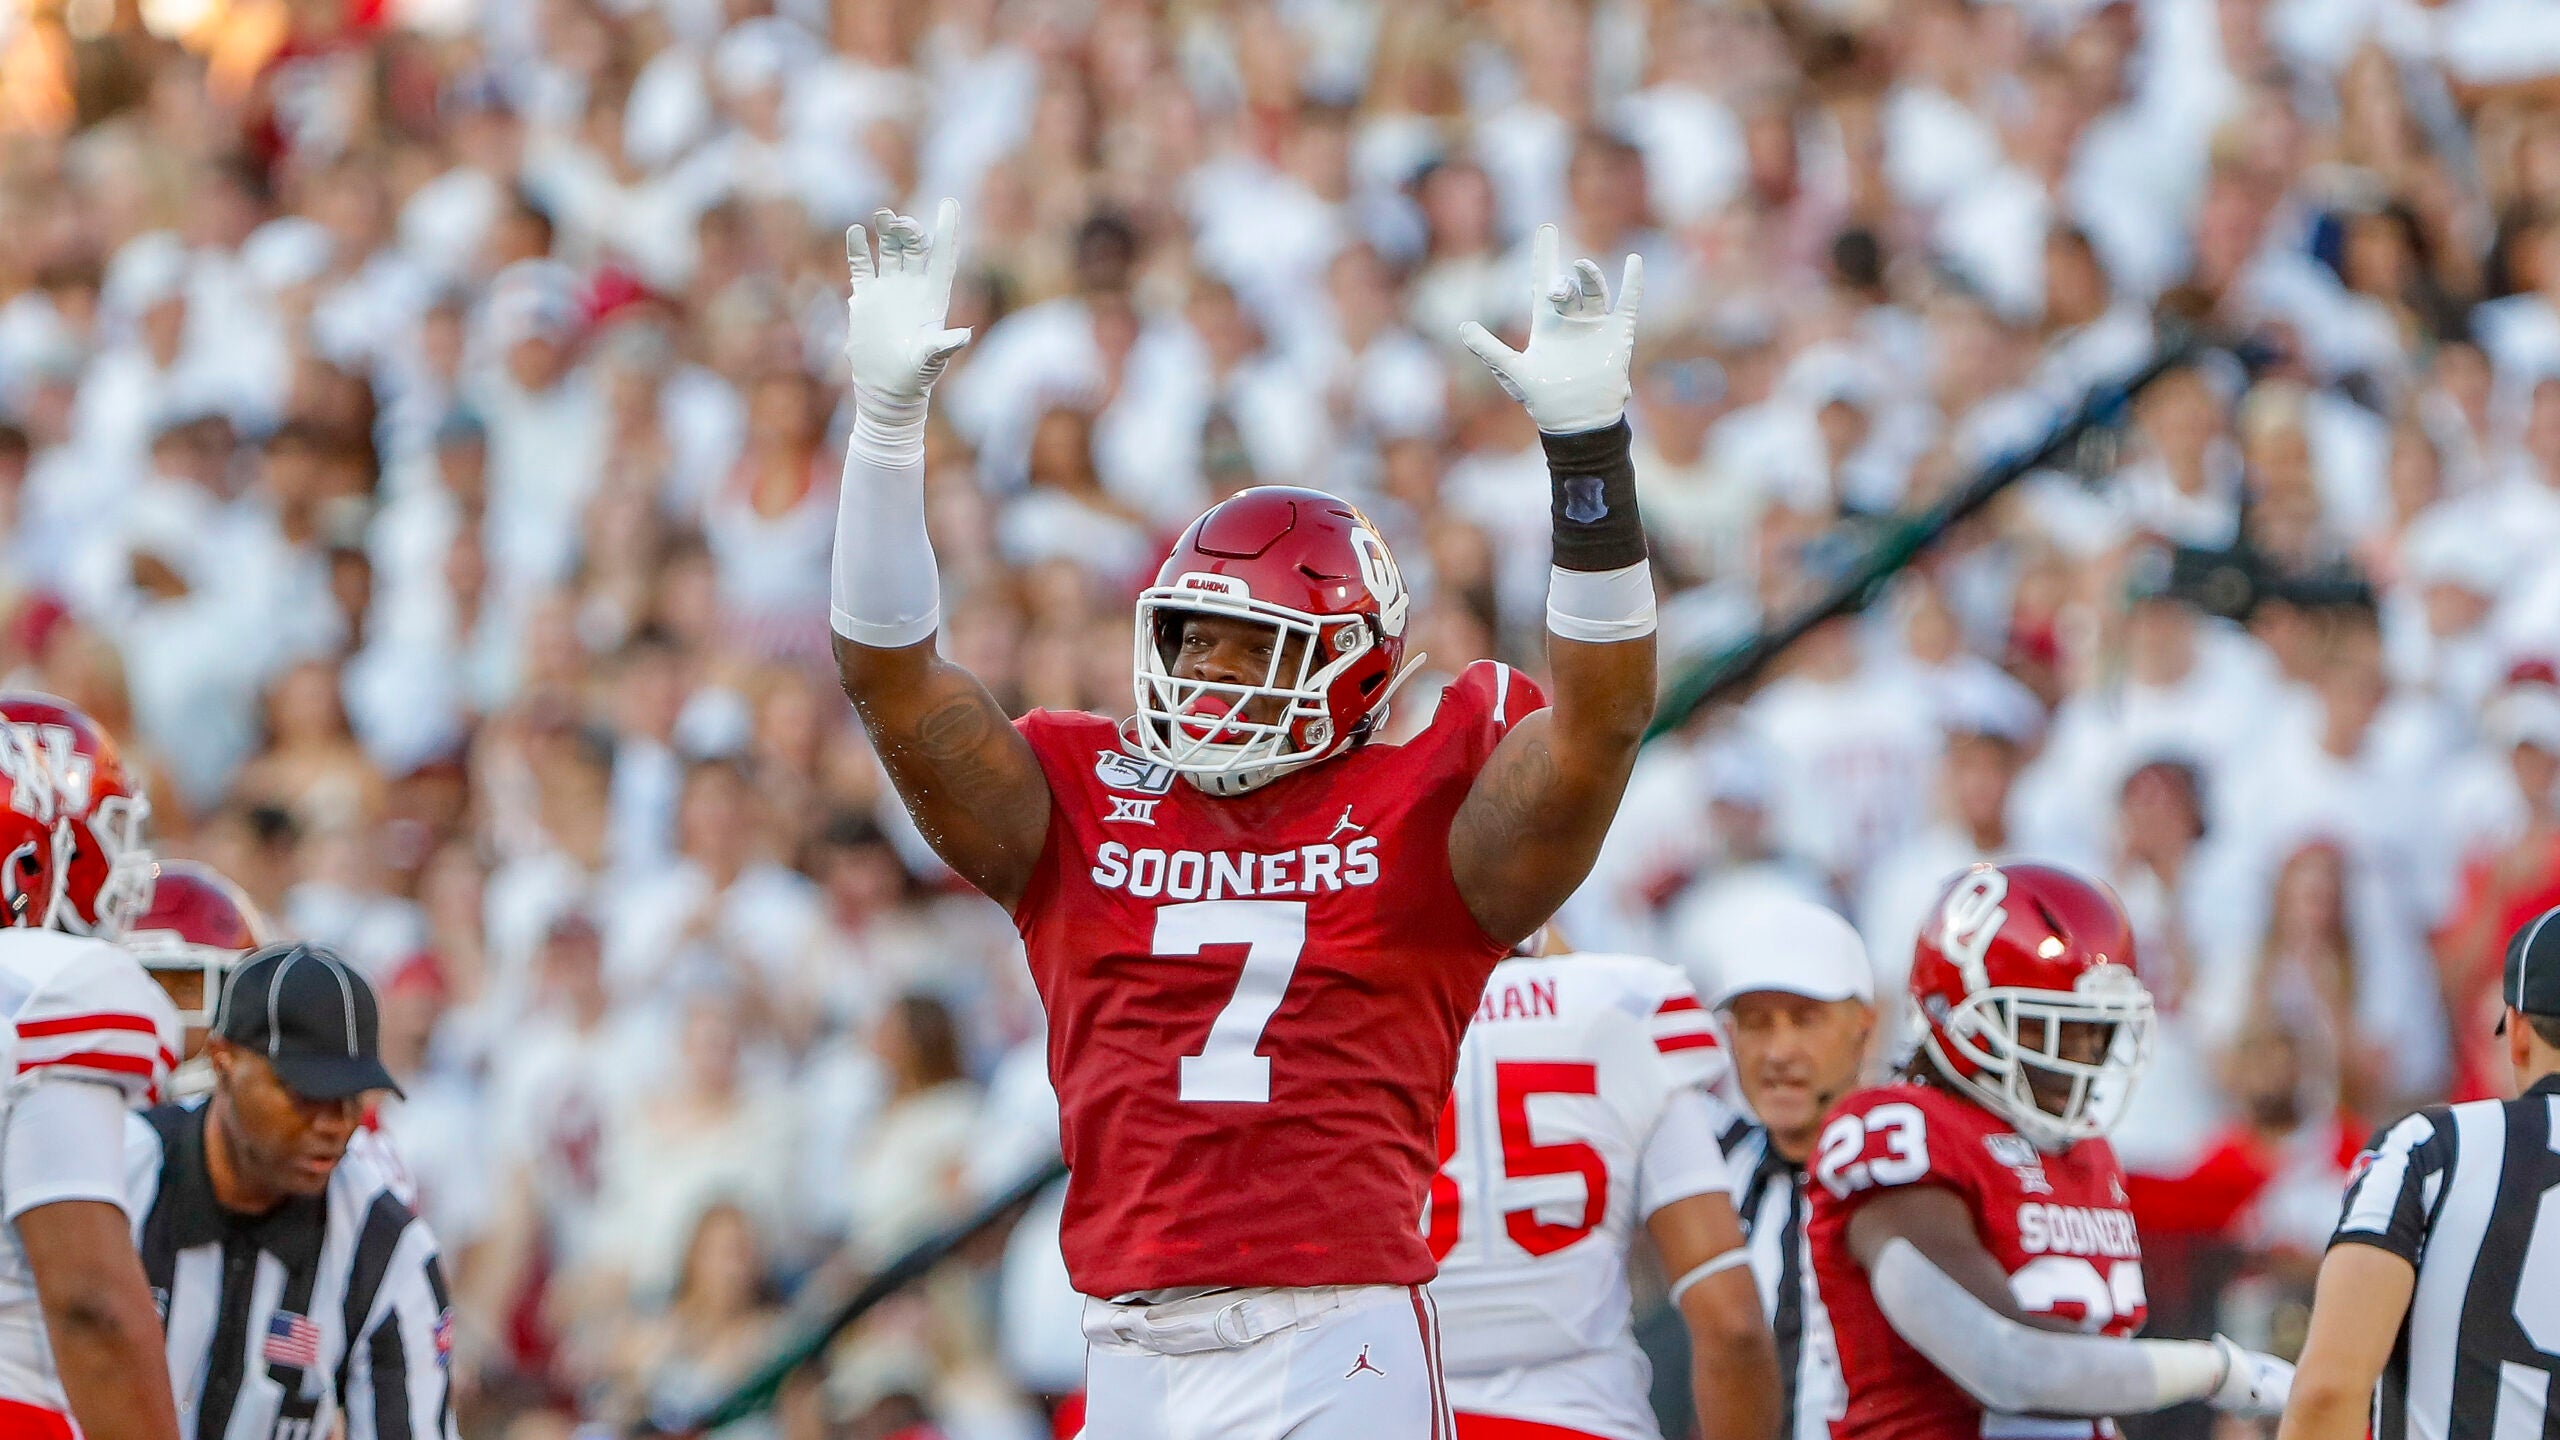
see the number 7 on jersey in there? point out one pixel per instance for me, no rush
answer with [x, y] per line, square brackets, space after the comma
[1273, 933]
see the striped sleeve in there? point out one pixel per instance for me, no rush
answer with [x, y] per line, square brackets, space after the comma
[101, 1018]
[398, 1382]
[1685, 1034]
[2393, 1187]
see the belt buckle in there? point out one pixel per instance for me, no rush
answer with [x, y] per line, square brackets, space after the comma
[1230, 1326]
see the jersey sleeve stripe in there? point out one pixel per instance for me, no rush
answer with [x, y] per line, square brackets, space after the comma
[1679, 1003]
[145, 1066]
[123, 1042]
[1669, 1043]
[69, 1024]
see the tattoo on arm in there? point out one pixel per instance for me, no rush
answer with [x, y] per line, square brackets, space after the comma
[1511, 801]
[953, 740]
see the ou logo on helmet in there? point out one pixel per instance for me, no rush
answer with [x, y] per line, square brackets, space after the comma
[1969, 919]
[1378, 572]
[34, 777]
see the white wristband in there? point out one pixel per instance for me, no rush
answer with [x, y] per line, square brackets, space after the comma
[1601, 607]
[1738, 1255]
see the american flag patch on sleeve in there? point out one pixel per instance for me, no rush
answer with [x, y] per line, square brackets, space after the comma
[292, 1340]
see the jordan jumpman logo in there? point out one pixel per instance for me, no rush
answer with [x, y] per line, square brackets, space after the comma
[1362, 1364]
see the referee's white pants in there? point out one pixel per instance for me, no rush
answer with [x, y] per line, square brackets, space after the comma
[1351, 1362]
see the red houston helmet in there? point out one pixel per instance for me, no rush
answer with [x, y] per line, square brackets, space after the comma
[2012, 954]
[32, 836]
[1313, 569]
[197, 923]
[104, 877]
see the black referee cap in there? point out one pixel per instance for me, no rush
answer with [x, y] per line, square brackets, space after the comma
[2533, 968]
[312, 1015]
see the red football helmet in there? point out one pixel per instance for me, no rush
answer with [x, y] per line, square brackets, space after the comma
[2010, 955]
[32, 836]
[1316, 571]
[198, 923]
[103, 879]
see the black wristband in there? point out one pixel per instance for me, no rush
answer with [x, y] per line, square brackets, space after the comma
[1597, 527]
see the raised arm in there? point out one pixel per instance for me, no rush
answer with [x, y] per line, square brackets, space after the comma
[965, 773]
[1530, 828]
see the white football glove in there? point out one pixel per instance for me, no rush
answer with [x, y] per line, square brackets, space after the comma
[895, 343]
[1573, 375]
[2254, 1386]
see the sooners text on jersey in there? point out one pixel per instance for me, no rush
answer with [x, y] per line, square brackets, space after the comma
[1255, 1002]
[1580, 1109]
[72, 1009]
[2057, 1223]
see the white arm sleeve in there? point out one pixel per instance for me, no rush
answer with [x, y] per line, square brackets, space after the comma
[65, 1141]
[883, 589]
[2017, 1369]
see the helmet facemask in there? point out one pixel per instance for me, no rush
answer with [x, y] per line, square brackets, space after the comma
[116, 827]
[1206, 730]
[175, 962]
[1998, 1041]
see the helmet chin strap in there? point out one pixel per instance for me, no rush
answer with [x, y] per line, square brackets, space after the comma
[1403, 673]
[2047, 1132]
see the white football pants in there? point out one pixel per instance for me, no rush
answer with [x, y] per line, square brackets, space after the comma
[1351, 1362]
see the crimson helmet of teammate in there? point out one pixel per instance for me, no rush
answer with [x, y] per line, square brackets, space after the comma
[31, 832]
[103, 880]
[2010, 955]
[199, 923]
[1316, 571]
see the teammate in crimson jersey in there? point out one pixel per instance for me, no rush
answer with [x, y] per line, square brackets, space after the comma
[1970, 1233]
[1581, 1112]
[1258, 934]
[84, 1036]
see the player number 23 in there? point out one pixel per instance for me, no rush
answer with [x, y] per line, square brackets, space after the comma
[1843, 1164]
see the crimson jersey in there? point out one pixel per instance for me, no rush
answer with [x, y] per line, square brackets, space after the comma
[1255, 1002]
[2057, 1223]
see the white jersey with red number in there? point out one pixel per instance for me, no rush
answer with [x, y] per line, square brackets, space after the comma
[1580, 1109]
[73, 1010]
[2059, 1224]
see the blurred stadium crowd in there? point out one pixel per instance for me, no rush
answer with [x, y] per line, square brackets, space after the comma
[419, 430]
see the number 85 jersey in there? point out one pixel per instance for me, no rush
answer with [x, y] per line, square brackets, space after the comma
[1580, 1110]
[2058, 1223]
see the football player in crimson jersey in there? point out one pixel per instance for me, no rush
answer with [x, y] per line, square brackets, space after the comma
[1257, 933]
[1581, 1111]
[1969, 1232]
[84, 1036]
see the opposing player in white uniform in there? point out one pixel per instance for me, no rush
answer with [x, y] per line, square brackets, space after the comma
[1581, 1109]
[86, 1036]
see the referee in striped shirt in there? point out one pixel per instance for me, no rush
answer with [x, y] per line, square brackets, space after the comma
[2438, 1311]
[1797, 998]
[296, 1286]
